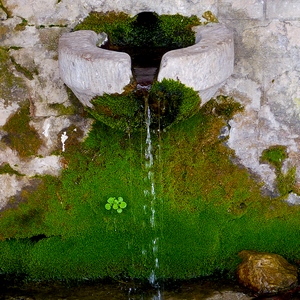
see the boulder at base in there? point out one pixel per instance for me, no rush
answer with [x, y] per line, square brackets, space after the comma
[265, 272]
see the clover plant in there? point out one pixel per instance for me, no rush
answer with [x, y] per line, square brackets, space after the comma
[117, 204]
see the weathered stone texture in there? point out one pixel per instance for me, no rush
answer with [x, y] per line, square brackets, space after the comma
[205, 65]
[90, 71]
[241, 9]
[266, 272]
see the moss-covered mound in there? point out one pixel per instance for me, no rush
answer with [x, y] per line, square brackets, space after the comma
[170, 102]
[206, 209]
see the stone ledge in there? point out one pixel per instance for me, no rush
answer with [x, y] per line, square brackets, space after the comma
[90, 71]
[205, 65]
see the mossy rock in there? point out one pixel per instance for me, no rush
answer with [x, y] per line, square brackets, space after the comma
[143, 30]
[21, 136]
[170, 102]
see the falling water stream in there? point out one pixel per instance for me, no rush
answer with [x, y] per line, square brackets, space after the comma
[150, 194]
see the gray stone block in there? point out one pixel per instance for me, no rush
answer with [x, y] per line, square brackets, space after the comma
[90, 71]
[205, 65]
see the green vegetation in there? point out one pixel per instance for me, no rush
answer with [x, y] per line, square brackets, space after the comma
[172, 31]
[9, 83]
[275, 156]
[8, 13]
[21, 26]
[62, 109]
[207, 208]
[116, 204]
[5, 168]
[28, 74]
[210, 17]
[20, 135]
[122, 112]
[170, 102]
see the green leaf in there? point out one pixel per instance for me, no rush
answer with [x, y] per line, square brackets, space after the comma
[115, 206]
[119, 210]
[111, 200]
[116, 201]
[120, 199]
[123, 204]
[108, 206]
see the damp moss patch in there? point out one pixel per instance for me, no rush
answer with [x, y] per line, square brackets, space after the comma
[20, 135]
[172, 31]
[207, 209]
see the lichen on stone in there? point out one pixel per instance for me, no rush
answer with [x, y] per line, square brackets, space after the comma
[20, 135]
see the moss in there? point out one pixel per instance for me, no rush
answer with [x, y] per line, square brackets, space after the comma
[275, 156]
[8, 13]
[5, 168]
[28, 74]
[62, 109]
[206, 208]
[210, 17]
[9, 83]
[173, 31]
[21, 26]
[121, 112]
[20, 135]
[170, 102]
[286, 182]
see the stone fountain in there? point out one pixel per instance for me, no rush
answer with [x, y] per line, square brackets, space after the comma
[91, 71]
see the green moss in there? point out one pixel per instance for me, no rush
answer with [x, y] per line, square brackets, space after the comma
[62, 109]
[28, 74]
[5, 168]
[8, 13]
[170, 102]
[286, 182]
[206, 208]
[173, 31]
[20, 135]
[8, 81]
[121, 112]
[21, 26]
[275, 155]
[210, 17]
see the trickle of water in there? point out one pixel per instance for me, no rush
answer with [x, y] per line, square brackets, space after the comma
[150, 192]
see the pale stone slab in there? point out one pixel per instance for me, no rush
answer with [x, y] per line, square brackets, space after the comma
[205, 65]
[283, 9]
[90, 71]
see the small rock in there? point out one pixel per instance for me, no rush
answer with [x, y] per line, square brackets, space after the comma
[265, 272]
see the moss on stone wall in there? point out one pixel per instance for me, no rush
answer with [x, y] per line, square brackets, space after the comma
[172, 31]
[170, 102]
[275, 156]
[20, 135]
[207, 209]
[9, 83]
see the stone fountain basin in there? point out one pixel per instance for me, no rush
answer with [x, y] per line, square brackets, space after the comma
[91, 71]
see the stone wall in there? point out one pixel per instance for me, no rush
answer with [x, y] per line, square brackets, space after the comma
[265, 80]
